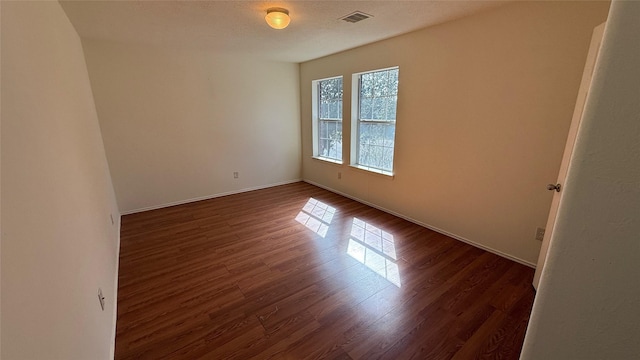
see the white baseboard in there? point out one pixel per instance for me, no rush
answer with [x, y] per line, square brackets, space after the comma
[207, 197]
[454, 236]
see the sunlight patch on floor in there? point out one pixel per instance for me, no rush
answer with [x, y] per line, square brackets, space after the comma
[374, 248]
[316, 216]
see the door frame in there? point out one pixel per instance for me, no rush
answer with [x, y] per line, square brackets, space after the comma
[576, 120]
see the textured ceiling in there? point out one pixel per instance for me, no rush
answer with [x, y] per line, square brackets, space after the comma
[239, 27]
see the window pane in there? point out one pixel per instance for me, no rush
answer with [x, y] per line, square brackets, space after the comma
[329, 121]
[322, 136]
[378, 109]
[335, 138]
[330, 99]
[389, 135]
[379, 79]
[365, 108]
[331, 134]
[392, 104]
[333, 110]
[376, 145]
[323, 147]
[378, 97]
[366, 85]
[393, 82]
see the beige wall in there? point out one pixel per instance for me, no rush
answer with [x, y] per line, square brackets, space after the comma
[0, 188]
[58, 242]
[588, 301]
[177, 123]
[483, 113]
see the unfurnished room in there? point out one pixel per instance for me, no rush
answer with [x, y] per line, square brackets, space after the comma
[320, 180]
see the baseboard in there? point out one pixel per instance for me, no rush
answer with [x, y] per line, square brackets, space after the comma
[207, 197]
[454, 236]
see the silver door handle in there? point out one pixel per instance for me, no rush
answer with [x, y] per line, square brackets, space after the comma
[555, 187]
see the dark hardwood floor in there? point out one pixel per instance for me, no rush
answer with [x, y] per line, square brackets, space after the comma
[297, 272]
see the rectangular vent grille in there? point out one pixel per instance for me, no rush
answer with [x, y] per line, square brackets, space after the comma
[355, 17]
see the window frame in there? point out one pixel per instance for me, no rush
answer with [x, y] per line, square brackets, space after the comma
[356, 82]
[317, 120]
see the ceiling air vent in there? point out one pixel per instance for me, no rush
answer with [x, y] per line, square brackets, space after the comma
[355, 17]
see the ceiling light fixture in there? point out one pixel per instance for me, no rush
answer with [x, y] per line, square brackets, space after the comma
[278, 18]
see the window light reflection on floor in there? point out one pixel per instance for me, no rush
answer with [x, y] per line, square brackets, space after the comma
[316, 216]
[374, 248]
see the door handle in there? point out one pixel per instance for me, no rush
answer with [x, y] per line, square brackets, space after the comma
[555, 187]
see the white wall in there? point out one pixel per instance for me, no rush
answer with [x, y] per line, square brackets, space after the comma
[484, 109]
[58, 242]
[588, 302]
[0, 191]
[177, 123]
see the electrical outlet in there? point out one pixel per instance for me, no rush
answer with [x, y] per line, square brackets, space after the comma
[539, 234]
[339, 175]
[235, 175]
[101, 298]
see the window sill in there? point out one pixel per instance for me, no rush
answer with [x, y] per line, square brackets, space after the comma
[387, 174]
[324, 159]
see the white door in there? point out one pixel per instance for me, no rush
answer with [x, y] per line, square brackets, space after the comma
[583, 92]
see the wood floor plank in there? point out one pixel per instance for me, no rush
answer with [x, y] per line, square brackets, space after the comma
[298, 272]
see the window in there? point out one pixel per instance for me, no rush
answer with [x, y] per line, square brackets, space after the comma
[327, 119]
[374, 120]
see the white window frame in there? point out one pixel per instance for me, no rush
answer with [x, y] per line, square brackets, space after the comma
[316, 120]
[355, 124]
